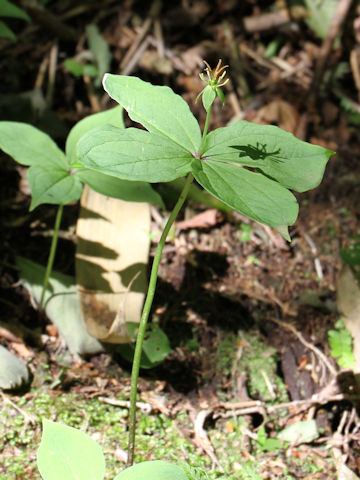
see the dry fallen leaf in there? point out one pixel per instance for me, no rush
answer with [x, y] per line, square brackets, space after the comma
[206, 219]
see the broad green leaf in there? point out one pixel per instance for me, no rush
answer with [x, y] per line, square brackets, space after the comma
[114, 117]
[117, 188]
[153, 470]
[6, 32]
[158, 109]
[52, 184]
[30, 146]
[8, 9]
[320, 15]
[252, 194]
[300, 432]
[13, 370]
[208, 97]
[341, 345]
[278, 154]
[62, 305]
[68, 453]
[156, 346]
[100, 49]
[133, 154]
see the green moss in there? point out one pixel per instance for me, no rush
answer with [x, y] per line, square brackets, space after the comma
[158, 436]
[258, 360]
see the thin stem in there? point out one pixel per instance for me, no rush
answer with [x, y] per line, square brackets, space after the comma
[145, 316]
[206, 128]
[50, 261]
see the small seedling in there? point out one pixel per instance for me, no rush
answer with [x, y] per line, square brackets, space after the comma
[172, 146]
[341, 345]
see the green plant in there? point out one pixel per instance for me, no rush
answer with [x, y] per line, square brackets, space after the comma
[265, 443]
[248, 167]
[93, 62]
[51, 176]
[67, 452]
[341, 345]
[350, 254]
[8, 9]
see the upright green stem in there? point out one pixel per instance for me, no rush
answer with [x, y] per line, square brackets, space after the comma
[206, 128]
[145, 316]
[50, 261]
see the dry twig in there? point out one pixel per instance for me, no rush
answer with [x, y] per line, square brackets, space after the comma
[307, 344]
[28, 418]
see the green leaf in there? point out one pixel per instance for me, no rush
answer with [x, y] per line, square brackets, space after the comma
[117, 188]
[29, 145]
[153, 470]
[114, 117]
[208, 97]
[79, 69]
[7, 9]
[221, 95]
[300, 432]
[156, 346]
[267, 444]
[252, 194]
[278, 154]
[100, 50]
[52, 184]
[68, 453]
[62, 305]
[133, 154]
[6, 32]
[341, 345]
[13, 370]
[320, 15]
[158, 109]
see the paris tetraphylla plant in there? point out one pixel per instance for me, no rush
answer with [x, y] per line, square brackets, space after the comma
[249, 167]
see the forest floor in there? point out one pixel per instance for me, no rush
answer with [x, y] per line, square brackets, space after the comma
[247, 314]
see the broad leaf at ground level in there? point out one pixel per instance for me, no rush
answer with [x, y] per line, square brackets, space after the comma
[52, 184]
[13, 370]
[114, 117]
[29, 145]
[252, 194]
[133, 154]
[156, 346]
[62, 305]
[305, 431]
[159, 109]
[153, 470]
[68, 453]
[117, 188]
[278, 154]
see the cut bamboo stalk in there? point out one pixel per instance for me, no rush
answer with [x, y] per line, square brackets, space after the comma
[111, 261]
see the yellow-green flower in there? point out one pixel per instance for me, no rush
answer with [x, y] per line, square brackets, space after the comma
[214, 80]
